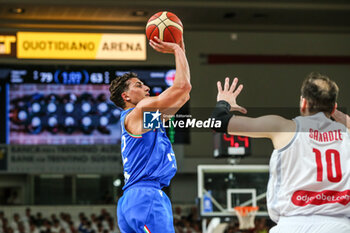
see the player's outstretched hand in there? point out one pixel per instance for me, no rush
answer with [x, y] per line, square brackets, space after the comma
[163, 47]
[341, 118]
[230, 93]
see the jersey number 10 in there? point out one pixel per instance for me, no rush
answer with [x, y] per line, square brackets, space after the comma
[329, 154]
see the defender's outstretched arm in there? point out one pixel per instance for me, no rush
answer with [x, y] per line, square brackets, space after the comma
[269, 126]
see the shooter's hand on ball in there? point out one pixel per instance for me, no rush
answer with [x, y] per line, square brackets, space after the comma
[163, 47]
[230, 93]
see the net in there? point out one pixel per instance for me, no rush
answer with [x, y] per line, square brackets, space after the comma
[246, 216]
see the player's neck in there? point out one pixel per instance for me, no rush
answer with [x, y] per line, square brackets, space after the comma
[307, 113]
[129, 105]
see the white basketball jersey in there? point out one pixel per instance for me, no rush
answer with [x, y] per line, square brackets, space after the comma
[311, 175]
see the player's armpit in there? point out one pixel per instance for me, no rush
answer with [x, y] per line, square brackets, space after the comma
[269, 126]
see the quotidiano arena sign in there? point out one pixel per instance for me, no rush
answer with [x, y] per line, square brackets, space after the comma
[85, 46]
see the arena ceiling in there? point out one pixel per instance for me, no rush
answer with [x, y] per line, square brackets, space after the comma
[132, 15]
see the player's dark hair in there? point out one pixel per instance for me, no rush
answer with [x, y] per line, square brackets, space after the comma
[118, 86]
[320, 92]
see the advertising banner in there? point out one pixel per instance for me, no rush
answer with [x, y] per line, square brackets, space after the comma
[83, 46]
[68, 159]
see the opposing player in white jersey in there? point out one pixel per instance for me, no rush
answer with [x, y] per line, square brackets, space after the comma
[309, 185]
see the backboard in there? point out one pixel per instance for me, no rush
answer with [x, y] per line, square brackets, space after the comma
[223, 187]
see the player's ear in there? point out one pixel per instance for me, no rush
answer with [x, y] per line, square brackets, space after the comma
[334, 108]
[303, 104]
[125, 97]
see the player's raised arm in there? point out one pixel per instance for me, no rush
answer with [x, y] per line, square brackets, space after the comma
[171, 99]
[342, 118]
[269, 126]
[178, 94]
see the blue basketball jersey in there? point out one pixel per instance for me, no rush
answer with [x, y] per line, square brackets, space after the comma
[147, 157]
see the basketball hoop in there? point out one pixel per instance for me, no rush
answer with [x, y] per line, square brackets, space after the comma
[246, 216]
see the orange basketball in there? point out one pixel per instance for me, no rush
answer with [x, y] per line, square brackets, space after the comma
[166, 26]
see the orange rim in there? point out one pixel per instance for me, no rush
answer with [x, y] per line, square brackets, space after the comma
[244, 210]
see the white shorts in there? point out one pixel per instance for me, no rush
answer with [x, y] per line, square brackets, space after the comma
[312, 224]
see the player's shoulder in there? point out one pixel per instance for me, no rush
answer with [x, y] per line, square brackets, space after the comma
[286, 133]
[285, 125]
[133, 121]
[126, 113]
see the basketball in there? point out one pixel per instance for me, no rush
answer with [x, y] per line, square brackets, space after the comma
[166, 26]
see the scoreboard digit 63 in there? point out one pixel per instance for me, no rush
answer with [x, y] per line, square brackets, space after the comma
[231, 146]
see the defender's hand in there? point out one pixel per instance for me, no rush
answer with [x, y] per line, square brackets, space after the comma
[163, 47]
[230, 93]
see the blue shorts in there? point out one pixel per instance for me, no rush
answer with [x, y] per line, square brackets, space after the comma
[144, 209]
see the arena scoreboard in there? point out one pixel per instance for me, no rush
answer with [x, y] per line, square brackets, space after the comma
[69, 104]
[231, 146]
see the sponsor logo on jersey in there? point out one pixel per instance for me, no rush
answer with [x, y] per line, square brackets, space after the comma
[304, 198]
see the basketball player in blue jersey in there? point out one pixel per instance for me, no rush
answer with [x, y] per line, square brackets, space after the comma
[148, 158]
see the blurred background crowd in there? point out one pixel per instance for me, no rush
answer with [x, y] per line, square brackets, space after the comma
[186, 221]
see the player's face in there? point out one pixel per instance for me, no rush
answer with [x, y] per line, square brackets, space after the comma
[137, 90]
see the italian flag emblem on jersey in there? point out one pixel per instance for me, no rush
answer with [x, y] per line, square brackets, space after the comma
[145, 228]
